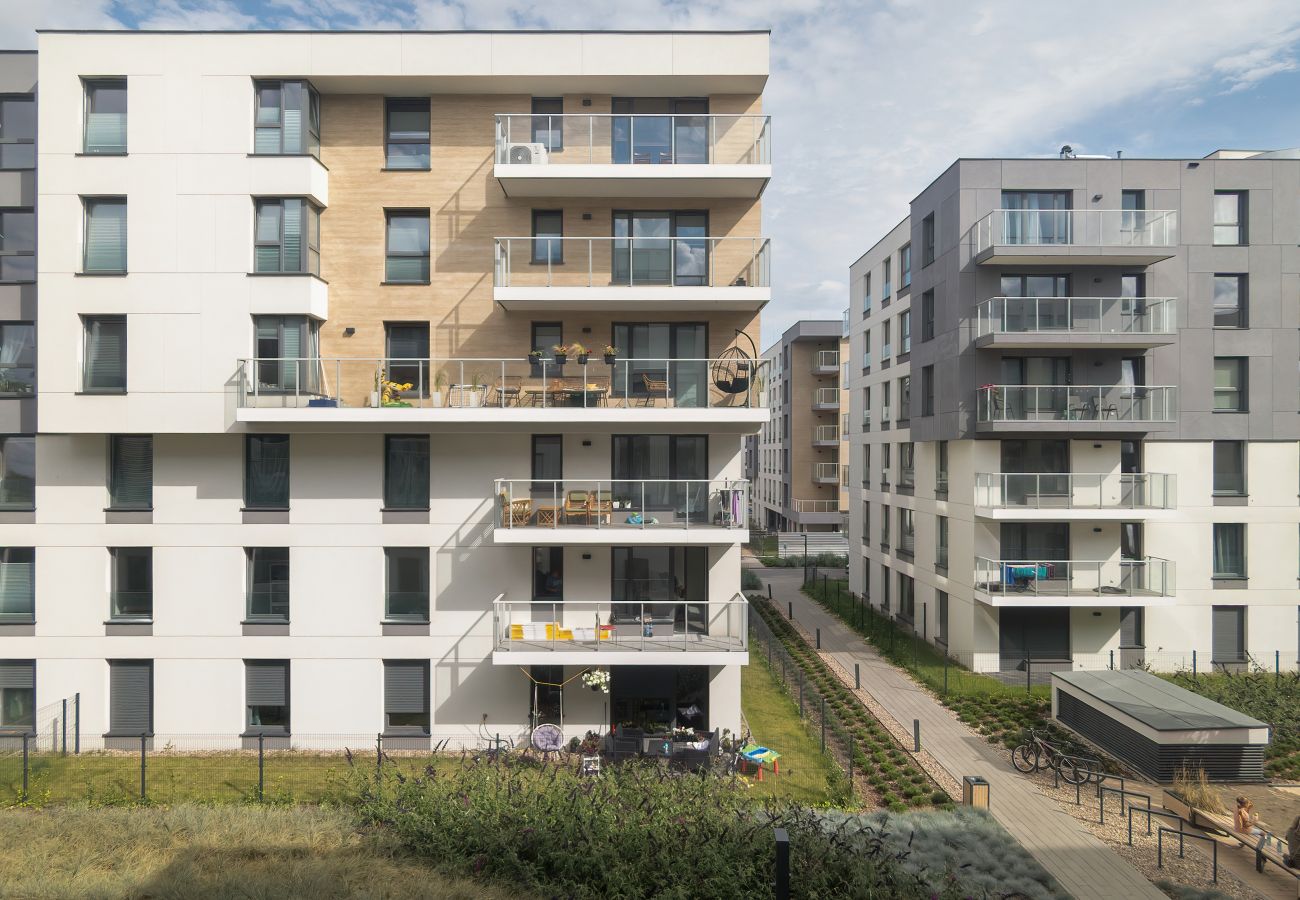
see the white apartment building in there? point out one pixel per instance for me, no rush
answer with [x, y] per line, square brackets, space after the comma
[328, 443]
[1076, 383]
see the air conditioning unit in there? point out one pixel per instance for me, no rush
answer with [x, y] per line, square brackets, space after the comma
[526, 154]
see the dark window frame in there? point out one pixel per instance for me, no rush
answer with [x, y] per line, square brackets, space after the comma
[1243, 217]
[89, 203]
[249, 441]
[1242, 389]
[422, 556]
[308, 262]
[411, 104]
[144, 663]
[121, 570]
[86, 376]
[271, 730]
[115, 476]
[554, 137]
[390, 254]
[421, 727]
[311, 120]
[1240, 473]
[252, 586]
[552, 240]
[390, 495]
[927, 240]
[7, 141]
[1242, 309]
[89, 86]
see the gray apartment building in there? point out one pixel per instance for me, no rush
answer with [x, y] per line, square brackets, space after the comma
[1074, 388]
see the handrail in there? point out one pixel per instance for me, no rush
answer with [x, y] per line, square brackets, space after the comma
[1077, 315]
[622, 625]
[622, 503]
[1150, 576]
[827, 359]
[815, 506]
[638, 138]
[826, 396]
[1076, 402]
[826, 471]
[826, 434]
[1075, 490]
[703, 261]
[1075, 227]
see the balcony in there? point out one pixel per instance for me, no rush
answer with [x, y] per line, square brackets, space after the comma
[1075, 408]
[1100, 237]
[605, 155]
[826, 436]
[826, 399]
[1016, 496]
[826, 473]
[699, 274]
[1121, 323]
[621, 511]
[815, 512]
[509, 393]
[844, 322]
[826, 362]
[1112, 582]
[644, 631]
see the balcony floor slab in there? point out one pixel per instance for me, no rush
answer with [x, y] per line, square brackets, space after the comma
[615, 534]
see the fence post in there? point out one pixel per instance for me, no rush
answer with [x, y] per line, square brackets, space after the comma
[819, 638]
[1277, 667]
[1193, 663]
[857, 676]
[1029, 674]
[850, 763]
[916, 735]
[379, 756]
[945, 674]
[782, 887]
[823, 724]
[261, 767]
[144, 792]
[801, 693]
[1112, 660]
[63, 720]
[76, 731]
[769, 592]
[24, 797]
[791, 605]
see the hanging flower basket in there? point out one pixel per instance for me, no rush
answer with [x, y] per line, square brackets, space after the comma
[597, 680]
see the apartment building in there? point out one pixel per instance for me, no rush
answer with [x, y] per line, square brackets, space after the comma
[1077, 383]
[798, 450]
[388, 382]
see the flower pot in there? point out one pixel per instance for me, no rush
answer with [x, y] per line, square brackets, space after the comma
[561, 359]
[610, 359]
[582, 359]
[374, 399]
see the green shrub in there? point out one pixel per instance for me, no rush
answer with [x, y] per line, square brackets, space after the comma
[749, 580]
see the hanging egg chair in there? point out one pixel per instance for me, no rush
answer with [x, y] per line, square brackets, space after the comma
[732, 371]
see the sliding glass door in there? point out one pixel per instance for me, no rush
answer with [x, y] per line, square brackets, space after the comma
[658, 131]
[664, 584]
[659, 351]
[1036, 217]
[661, 248]
[666, 463]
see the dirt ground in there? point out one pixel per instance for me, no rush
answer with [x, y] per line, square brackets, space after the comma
[1277, 804]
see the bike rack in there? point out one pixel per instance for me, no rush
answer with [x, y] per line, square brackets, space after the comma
[1160, 848]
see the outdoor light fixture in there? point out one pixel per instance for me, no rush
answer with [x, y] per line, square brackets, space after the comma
[975, 792]
[349, 331]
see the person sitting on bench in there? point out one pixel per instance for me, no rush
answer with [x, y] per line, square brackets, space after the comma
[1246, 817]
[1292, 855]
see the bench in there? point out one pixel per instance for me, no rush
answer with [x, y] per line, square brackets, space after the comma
[1268, 847]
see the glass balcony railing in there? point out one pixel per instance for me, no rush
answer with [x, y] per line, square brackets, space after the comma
[649, 140]
[397, 384]
[1076, 227]
[844, 322]
[827, 361]
[826, 434]
[826, 473]
[1029, 578]
[1077, 315]
[643, 615]
[826, 398]
[1075, 490]
[1076, 403]
[622, 504]
[815, 506]
[577, 262]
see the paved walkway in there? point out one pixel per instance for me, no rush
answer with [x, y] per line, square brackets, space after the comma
[1081, 862]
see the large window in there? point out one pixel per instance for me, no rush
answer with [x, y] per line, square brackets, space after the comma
[927, 390]
[132, 594]
[17, 132]
[1230, 217]
[17, 472]
[266, 471]
[547, 125]
[287, 119]
[1131, 627]
[406, 259]
[905, 332]
[927, 315]
[548, 463]
[1036, 217]
[548, 574]
[1035, 542]
[1230, 298]
[906, 532]
[17, 359]
[287, 238]
[1228, 634]
[17, 695]
[927, 240]
[1230, 468]
[105, 127]
[266, 693]
[406, 592]
[104, 239]
[406, 471]
[667, 585]
[941, 470]
[663, 362]
[130, 697]
[406, 350]
[884, 587]
[661, 248]
[661, 474]
[886, 281]
[130, 471]
[906, 598]
[941, 542]
[544, 694]
[907, 464]
[886, 344]
[406, 132]
[905, 267]
[406, 696]
[288, 353]
[942, 635]
[104, 356]
[885, 513]
[546, 336]
[268, 584]
[548, 236]
[17, 585]
[17, 244]
[904, 399]
[1229, 550]
[1230, 384]
[660, 130]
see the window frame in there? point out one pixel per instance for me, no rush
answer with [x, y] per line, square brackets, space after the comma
[249, 440]
[422, 557]
[86, 354]
[1241, 223]
[905, 267]
[119, 570]
[1240, 472]
[309, 250]
[256, 730]
[311, 119]
[390, 495]
[148, 665]
[391, 254]
[29, 498]
[25, 726]
[115, 442]
[941, 546]
[28, 616]
[18, 254]
[927, 240]
[419, 729]
[88, 86]
[552, 145]
[5, 381]
[1216, 572]
[549, 258]
[89, 203]
[1241, 309]
[251, 586]
[5, 141]
[412, 104]
[1240, 391]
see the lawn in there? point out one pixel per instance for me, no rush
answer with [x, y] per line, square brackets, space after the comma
[213, 851]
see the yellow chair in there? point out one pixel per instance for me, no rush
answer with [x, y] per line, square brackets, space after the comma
[575, 506]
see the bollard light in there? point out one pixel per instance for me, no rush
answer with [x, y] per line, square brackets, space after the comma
[975, 792]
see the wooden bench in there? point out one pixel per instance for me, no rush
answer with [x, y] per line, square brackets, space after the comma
[1267, 847]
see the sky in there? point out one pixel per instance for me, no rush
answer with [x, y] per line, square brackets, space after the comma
[870, 101]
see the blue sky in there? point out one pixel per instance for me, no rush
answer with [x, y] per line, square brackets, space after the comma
[871, 100]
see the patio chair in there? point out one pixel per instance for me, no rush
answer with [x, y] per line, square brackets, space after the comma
[600, 505]
[597, 390]
[519, 512]
[506, 391]
[655, 387]
[575, 506]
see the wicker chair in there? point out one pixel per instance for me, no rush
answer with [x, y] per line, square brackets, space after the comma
[575, 506]
[655, 387]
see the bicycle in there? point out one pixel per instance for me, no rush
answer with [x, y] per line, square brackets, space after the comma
[1036, 754]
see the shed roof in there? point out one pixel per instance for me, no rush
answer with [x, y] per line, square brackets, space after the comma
[1156, 702]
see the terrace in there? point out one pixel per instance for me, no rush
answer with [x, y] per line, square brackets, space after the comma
[1073, 495]
[1073, 582]
[1104, 237]
[1096, 322]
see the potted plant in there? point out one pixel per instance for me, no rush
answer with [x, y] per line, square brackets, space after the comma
[535, 357]
[597, 680]
[439, 382]
[380, 377]
[611, 354]
[581, 352]
[560, 354]
[393, 394]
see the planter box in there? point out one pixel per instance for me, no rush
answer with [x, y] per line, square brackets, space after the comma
[1175, 805]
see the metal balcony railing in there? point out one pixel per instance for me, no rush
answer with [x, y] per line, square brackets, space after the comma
[826, 434]
[1075, 490]
[827, 360]
[1077, 315]
[844, 322]
[826, 473]
[645, 616]
[1074, 402]
[1149, 577]
[1076, 227]
[667, 262]
[621, 504]
[826, 398]
[815, 506]
[637, 139]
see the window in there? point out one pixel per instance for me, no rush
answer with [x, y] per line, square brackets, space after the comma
[547, 684]
[906, 598]
[866, 522]
[1131, 628]
[907, 464]
[17, 695]
[941, 542]
[1040, 541]
[1228, 634]
[927, 240]
[1230, 217]
[927, 391]
[904, 399]
[287, 238]
[866, 295]
[288, 353]
[886, 347]
[886, 286]
[885, 463]
[287, 118]
[104, 241]
[266, 693]
[17, 244]
[17, 585]
[17, 351]
[906, 532]
[104, 356]
[268, 584]
[406, 347]
[1230, 384]
[406, 594]
[130, 697]
[548, 574]
[941, 470]
[661, 248]
[406, 259]
[406, 696]
[546, 337]
[866, 465]
[266, 471]
[885, 513]
[884, 587]
[105, 127]
[548, 464]
[548, 234]
[130, 471]
[942, 635]
[17, 132]
[17, 472]
[1230, 297]
[406, 132]
[905, 332]
[1036, 217]
[548, 127]
[927, 315]
[1229, 550]
[1230, 468]
[905, 267]
[132, 595]
[406, 471]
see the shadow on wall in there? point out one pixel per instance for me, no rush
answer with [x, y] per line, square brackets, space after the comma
[466, 690]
